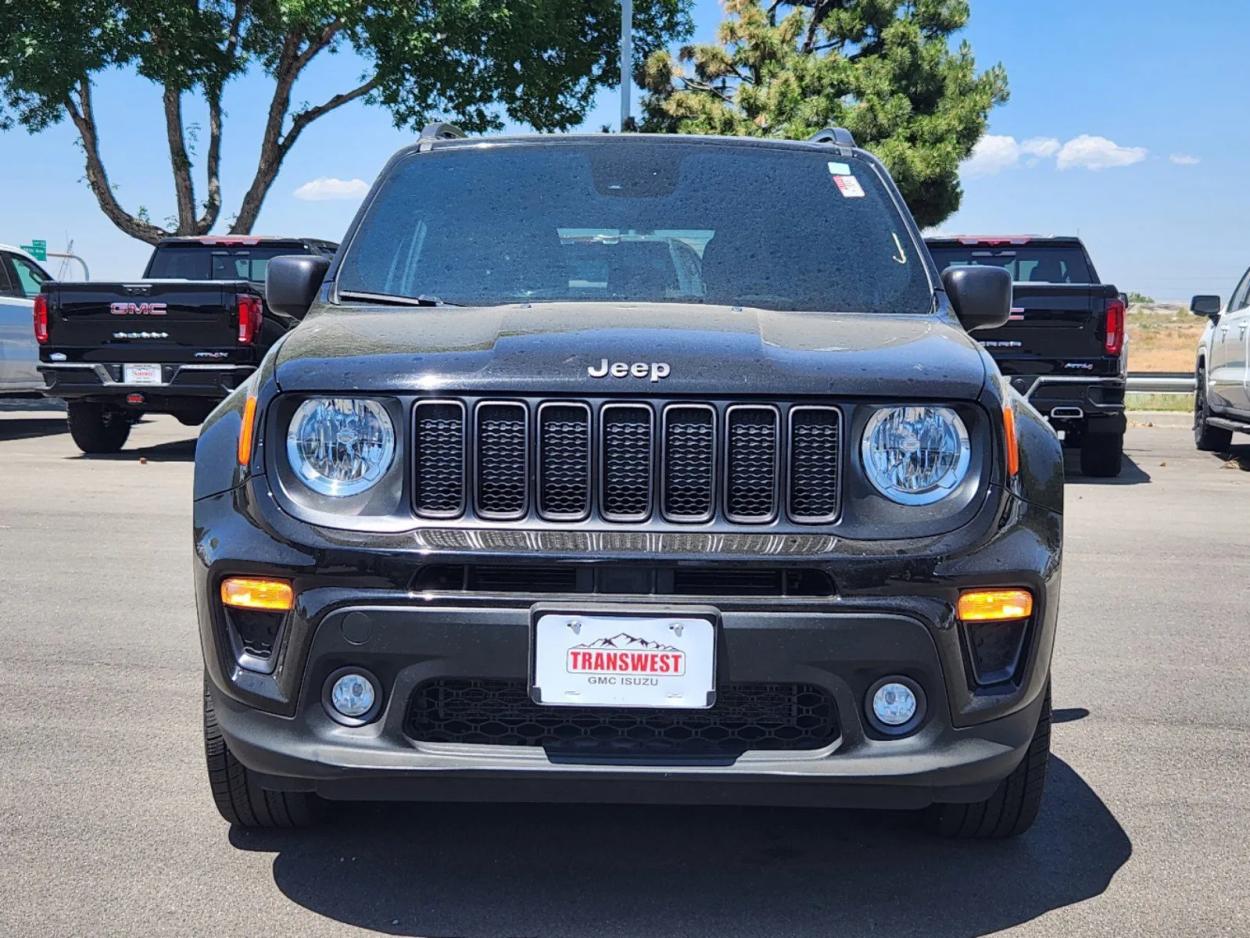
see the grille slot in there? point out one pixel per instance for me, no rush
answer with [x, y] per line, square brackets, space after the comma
[752, 454]
[502, 460]
[745, 716]
[564, 461]
[689, 462]
[626, 461]
[815, 442]
[439, 459]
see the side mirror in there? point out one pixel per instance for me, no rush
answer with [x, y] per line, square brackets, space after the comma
[981, 296]
[292, 282]
[1206, 305]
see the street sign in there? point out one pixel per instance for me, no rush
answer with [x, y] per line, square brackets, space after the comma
[37, 249]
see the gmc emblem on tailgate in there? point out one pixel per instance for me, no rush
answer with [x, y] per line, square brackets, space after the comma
[137, 309]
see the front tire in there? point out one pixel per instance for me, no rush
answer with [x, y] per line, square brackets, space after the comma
[1102, 455]
[1013, 807]
[1207, 438]
[236, 792]
[97, 429]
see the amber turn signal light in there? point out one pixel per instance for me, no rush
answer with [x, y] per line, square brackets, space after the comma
[1013, 444]
[255, 593]
[245, 430]
[995, 605]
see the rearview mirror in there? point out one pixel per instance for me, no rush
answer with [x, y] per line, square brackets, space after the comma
[292, 282]
[1206, 305]
[981, 296]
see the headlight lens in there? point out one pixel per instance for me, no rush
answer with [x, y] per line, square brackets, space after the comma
[916, 455]
[340, 445]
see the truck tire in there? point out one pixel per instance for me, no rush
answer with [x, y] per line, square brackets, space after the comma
[1207, 438]
[238, 796]
[1102, 455]
[97, 428]
[1013, 807]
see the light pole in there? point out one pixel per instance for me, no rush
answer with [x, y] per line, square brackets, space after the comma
[627, 58]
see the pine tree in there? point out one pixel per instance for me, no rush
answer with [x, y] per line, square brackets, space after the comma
[884, 69]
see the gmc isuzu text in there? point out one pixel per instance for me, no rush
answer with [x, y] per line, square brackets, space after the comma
[630, 468]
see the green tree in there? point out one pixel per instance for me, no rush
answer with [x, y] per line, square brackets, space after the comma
[884, 69]
[539, 62]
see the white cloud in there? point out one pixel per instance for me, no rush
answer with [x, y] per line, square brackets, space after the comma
[1040, 146]
[325, 188]
[992, 154]
[1184, 159]
[1092, 152]
[995, 153]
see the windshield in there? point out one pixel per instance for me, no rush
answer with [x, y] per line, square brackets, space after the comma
[1027, 263]
[638, 221]
[214, 262]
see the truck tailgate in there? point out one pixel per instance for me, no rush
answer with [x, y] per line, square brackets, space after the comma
[1052, 323]
[160, 320]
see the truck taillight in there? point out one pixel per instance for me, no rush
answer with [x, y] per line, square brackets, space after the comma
[251, 313]
[1114, 342]
[41, 319]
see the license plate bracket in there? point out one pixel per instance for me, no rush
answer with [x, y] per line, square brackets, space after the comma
[142, 374]
[630, 657]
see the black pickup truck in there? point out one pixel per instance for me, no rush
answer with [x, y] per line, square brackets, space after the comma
[1064, 347]
[176, 342]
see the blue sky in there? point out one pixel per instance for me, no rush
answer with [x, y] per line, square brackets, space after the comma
[1129, 123]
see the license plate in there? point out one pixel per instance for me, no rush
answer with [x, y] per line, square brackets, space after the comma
[624, 661]
[141, 374]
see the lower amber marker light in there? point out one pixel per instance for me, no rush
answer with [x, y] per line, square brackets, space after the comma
[994, 605]
[257, 593]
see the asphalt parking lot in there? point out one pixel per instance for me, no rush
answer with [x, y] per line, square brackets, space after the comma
[108, 827]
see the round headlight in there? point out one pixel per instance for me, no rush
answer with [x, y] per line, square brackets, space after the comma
[916, 455]
[340, 445]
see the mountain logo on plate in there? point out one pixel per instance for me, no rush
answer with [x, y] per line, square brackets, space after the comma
[625, 654]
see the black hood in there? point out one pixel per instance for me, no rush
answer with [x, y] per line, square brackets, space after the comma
[549, 347]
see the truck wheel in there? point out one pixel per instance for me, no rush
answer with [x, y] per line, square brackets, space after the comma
[1207, 438]
[97, 428]
[238, 797]
[1102, 455]
[1013, 807]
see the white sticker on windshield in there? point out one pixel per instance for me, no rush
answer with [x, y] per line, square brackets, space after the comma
[849, 187]
[840, 169]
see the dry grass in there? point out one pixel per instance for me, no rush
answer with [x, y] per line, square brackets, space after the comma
[1171, 403]
[1163, 338]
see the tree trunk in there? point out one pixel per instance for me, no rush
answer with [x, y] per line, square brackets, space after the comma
[81, 114]
[180, 163]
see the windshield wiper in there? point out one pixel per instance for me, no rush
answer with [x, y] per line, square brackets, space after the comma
[395, 300]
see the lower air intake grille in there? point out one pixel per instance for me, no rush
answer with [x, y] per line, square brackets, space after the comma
[745, 716]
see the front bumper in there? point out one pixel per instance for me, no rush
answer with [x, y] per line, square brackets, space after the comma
[892, 614]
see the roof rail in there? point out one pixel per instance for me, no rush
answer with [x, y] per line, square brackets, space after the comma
[438, 131]
[838, 135]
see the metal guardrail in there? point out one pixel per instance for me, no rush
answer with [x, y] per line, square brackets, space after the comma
[1169, 382]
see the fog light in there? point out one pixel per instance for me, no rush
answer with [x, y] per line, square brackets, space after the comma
[895, 705]
[352, 697]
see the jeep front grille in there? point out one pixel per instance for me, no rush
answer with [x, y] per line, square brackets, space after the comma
[674, 463]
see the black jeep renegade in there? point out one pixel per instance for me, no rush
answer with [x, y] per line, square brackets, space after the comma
[630, 468]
